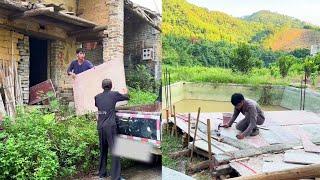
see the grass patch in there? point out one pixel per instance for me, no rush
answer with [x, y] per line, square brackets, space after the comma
[170, 144]
[221, 75]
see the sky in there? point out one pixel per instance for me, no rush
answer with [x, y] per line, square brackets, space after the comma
[306, 10]
[155, 5]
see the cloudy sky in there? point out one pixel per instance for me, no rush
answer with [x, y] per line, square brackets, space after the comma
[306, 10]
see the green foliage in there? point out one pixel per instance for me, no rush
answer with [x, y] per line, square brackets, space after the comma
[310, 66]
[181, 18]
[39, 146]
[314, 79]
[186, 52]
[285, 62]
[50, 143]
[275, 71]
[220, 75]
[243, 60]
[316, 59]
[140, 78]
[274, 19]
[300, 53]
[138, 97]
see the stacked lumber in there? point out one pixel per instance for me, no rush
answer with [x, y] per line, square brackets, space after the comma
[11, 92]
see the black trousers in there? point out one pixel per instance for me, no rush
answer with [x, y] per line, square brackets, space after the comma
[107, 137]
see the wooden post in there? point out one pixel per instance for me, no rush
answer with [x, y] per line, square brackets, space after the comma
[209, 145]
[195, 134]
[189, 119]
[167, 116]
[309, 171]
[175, 122]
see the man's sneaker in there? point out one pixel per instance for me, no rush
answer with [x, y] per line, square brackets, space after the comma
[255, 132]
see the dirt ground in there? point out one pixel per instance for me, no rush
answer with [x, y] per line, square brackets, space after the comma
[140, 171]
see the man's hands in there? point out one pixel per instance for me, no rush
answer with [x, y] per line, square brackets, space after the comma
[73, 75]
[225, 125]
[124, 91]
[240, 136]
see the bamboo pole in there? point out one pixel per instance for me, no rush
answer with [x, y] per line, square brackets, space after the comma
[209, 145]
[175, 122]
[167, 116]
[189, 119]
[195, 134]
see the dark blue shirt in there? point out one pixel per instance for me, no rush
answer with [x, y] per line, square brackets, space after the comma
[76, 68]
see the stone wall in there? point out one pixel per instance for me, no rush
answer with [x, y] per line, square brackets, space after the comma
[139, 35]
[60, 55]
[113, 43]
[94, 52]
[7, 40]
[24, 67]
[94, 10]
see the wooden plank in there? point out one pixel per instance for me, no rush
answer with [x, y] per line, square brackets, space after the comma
[92, 78]
[309, 171]
[203, 145]
[32, 12]
[209, 146]
[39, 91]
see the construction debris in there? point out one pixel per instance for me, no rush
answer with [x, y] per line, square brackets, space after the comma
[40, 92]
[277, 147]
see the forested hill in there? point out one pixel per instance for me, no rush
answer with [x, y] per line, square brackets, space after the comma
[270, 29]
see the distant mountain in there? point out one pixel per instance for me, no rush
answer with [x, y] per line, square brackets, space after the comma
[269, 18]
[269, 29]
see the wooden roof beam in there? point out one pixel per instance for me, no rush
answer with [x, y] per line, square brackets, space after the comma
[32, 12]
[84, 32]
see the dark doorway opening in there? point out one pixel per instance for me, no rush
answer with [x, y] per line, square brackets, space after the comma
[38, 61]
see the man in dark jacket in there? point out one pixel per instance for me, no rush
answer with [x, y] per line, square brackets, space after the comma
[253, 116]
[107, 127]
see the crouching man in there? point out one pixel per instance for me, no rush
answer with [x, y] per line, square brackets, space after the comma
[107, 127]
[253, 116]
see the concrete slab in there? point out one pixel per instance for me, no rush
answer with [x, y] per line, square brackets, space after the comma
[168, 174]
[301, 157]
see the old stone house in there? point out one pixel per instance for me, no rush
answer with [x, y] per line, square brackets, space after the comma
[42, 36]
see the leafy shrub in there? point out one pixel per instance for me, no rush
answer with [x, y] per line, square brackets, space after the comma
[285, 62]
[37, 145]
[141, 78]
[243, 60]
[310, 66]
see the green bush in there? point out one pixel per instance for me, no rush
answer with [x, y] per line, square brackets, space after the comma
[52, 142]
[141, 78]
[285, 62]
[243, 59]
[310, 66]
[37, 145]
[138, 97]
